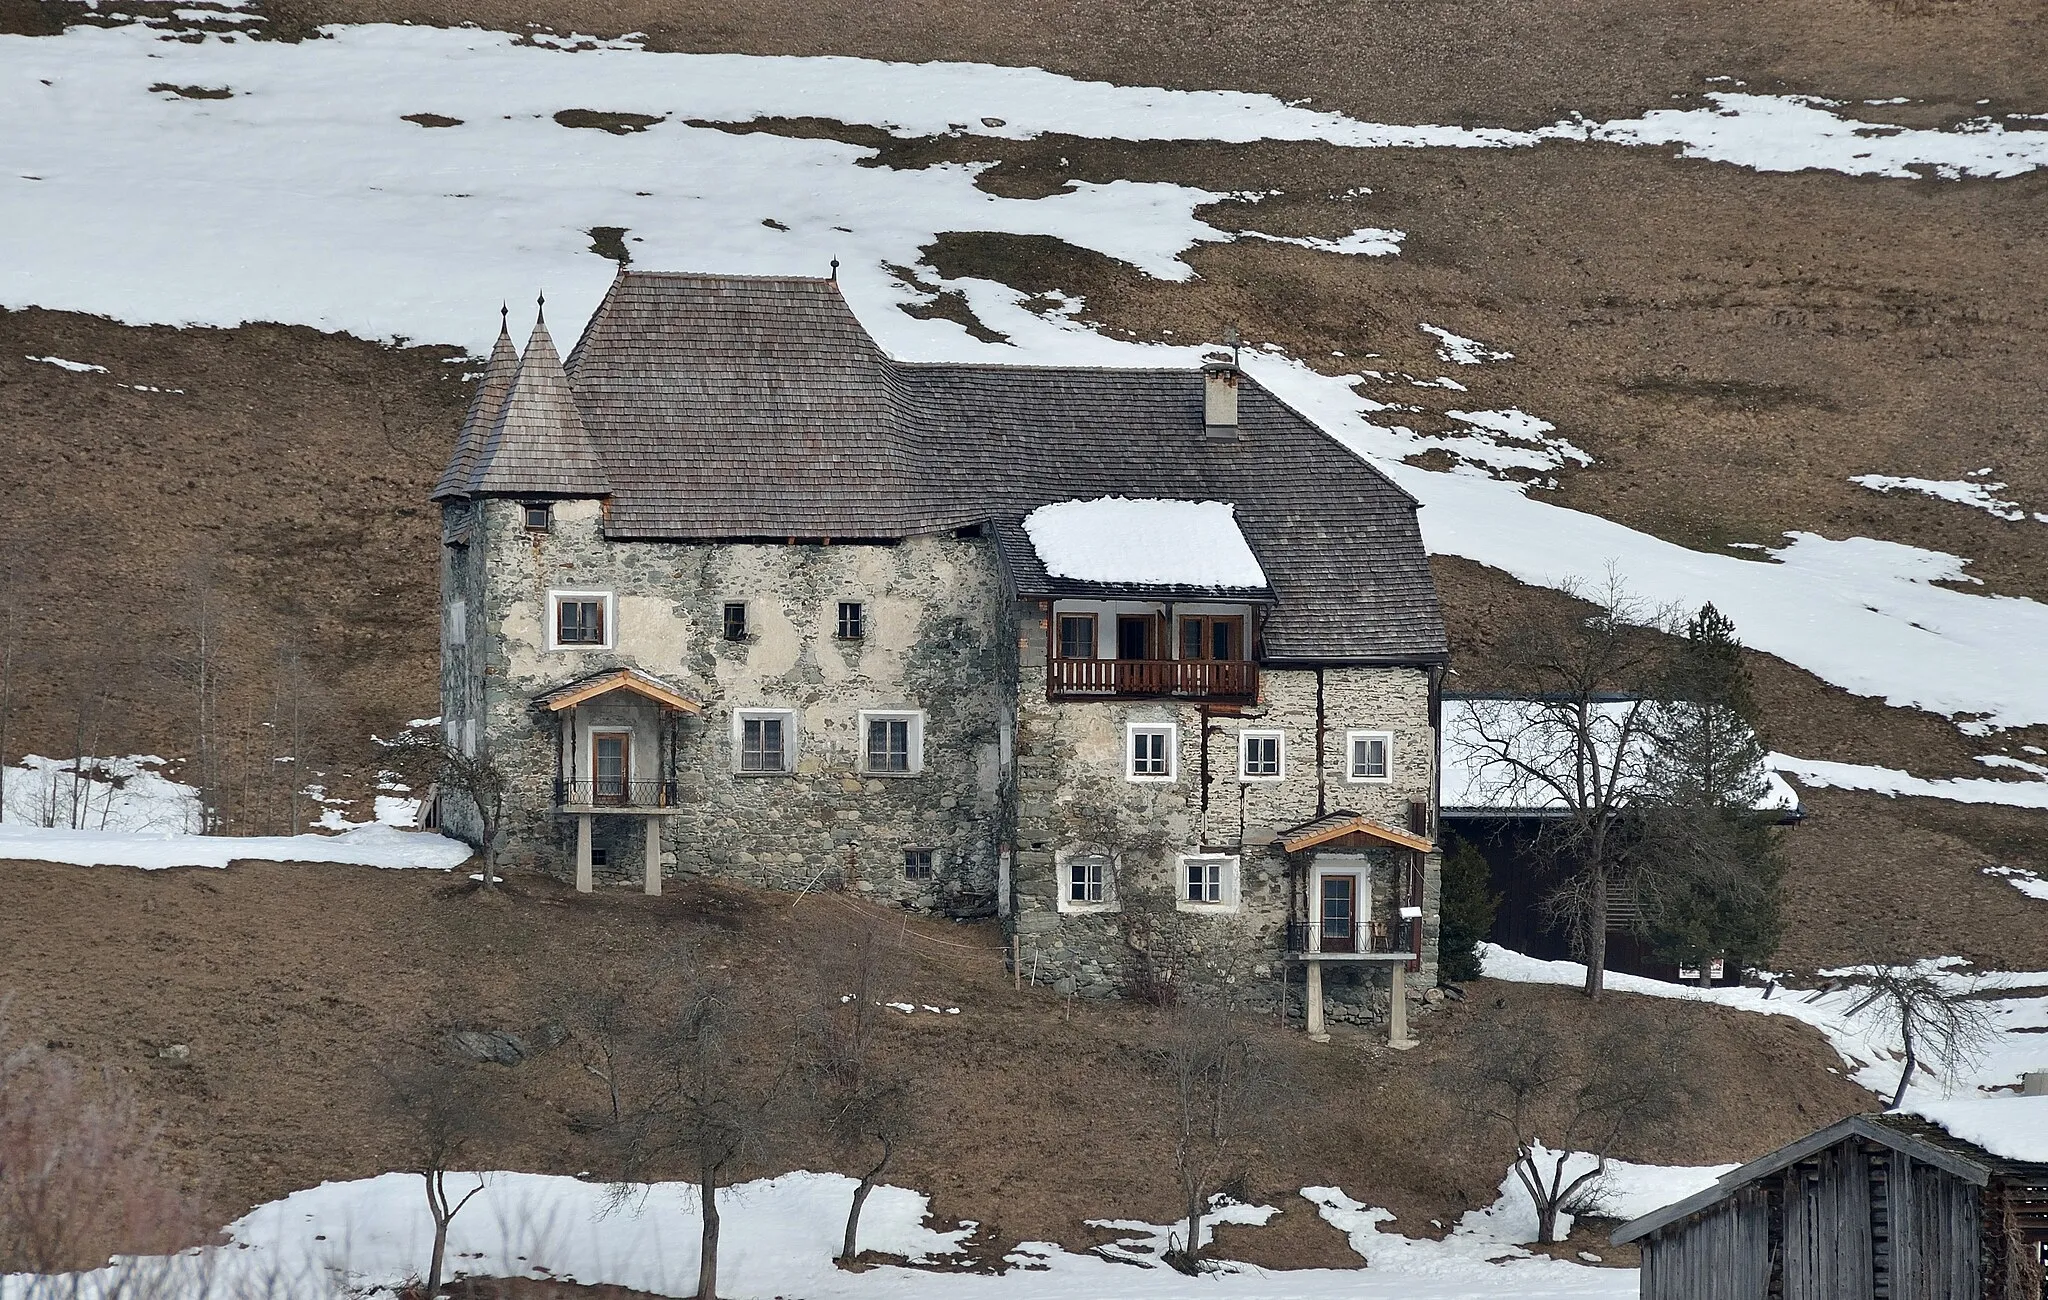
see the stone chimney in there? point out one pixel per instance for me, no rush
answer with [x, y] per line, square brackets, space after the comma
[1219, 398]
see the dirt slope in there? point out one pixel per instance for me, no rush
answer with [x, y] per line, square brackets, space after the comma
[290, 984]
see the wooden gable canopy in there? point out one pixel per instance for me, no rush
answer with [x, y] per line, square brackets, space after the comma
[625, 679]
[1340, 824]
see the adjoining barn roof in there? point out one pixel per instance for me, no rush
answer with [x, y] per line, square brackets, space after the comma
[1917, 1138]
[1479, 784]
[737, 408]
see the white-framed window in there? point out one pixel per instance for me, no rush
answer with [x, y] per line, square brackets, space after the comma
[1151, 751]
[458, 621]
[1261, 755]
[538, 516]
[1208, 882]
[581, 620]
[892, 742]
[1087, 877]
[1369, 756]
[763, 741]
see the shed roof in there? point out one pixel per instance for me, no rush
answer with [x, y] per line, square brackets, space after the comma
[1910, 1134]
[746, 408]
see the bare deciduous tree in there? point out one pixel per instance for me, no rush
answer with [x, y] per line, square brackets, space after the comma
[1932, 1012]
[445, 1112]
[868, 1111]
[1221, 1088]
[81, 1169]
[423, 759]
[1576, 741]
[688, 1090]
[1529, 1086]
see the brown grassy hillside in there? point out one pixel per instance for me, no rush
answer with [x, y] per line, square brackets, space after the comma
[292, 984]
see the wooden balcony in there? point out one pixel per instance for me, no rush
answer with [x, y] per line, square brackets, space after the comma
[1196, 679]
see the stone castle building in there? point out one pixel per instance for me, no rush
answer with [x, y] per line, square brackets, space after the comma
[1139, 660]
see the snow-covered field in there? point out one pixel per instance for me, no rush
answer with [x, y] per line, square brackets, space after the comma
[779, 1236]
[306, 197]
[124, 812]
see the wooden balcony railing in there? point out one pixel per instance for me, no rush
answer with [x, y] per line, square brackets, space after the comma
[615, 794]
[1202, 679]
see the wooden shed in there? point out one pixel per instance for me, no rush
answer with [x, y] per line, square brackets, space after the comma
[1877, 1207]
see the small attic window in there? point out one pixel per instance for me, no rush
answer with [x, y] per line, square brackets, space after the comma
[853, 620]
[540, 516]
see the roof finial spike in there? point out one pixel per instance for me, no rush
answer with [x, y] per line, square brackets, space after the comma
[504, 315]
[835, 270]
[541, 315]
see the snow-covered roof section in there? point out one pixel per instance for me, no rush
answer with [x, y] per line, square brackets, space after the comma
[1478, 783]
[2013, 1127]
[1140, 542]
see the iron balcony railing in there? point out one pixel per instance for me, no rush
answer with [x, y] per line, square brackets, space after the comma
[615, 794]
[1212, 679]
[1369, 936]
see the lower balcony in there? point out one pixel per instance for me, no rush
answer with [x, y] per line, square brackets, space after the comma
[1371, 941]
[621, 795]
[1196, 679]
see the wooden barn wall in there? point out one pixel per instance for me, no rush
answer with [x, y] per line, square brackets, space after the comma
[1723, 1254]
[1827, 1226]
[1934, 1229]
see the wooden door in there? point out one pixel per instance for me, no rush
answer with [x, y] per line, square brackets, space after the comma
[1338, 930]
[1134, 636]
[610, 766]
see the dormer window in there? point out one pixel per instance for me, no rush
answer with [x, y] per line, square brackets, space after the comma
[539, 515]
[853, 620]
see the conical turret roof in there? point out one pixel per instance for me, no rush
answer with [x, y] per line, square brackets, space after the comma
[484, 405]
[538, 444]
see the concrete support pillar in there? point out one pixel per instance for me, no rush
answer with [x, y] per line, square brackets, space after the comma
[1397, 1007]
[1313, 996]
[583, 882]
[653, 880]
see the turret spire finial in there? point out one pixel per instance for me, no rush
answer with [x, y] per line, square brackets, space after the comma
[542, 313]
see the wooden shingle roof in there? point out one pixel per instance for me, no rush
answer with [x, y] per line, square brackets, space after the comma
[482, 416]
[538, 445]
[729, 407]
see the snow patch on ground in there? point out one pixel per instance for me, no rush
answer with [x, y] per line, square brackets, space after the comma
[1975, 494]
[1365, 242]
[1822, 774]
[779, 1236]
[365, 846]
[1515, 439]
[1870, 1049]
[1459, 350]
[97, 794]
[75, 367]
[1144, 542]
[1627, 1191]
[2030, 883]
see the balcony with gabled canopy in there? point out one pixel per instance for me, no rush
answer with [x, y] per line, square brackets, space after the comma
[615, 753]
